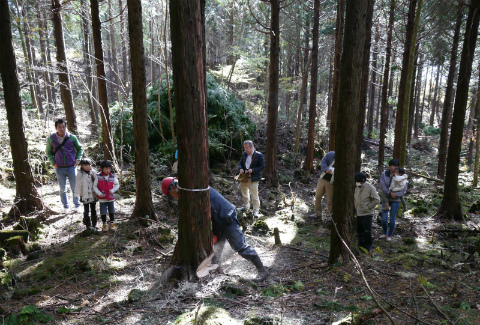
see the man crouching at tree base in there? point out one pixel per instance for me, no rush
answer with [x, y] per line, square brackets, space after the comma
[225, 226]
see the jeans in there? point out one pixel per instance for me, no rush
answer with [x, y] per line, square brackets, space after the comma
[236, 239]
[110, 205]
[389, 226]
[364, 230]
[62, 174]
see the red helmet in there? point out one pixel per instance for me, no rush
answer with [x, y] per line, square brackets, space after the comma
[166, 183]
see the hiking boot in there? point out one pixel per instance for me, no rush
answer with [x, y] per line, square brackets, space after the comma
[261, 269]
[256, 214]
[382, 236]
[104, 227]
[389, 238]
[67, 210]
[113, 226]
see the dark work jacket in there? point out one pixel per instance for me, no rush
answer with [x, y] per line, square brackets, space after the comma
[223, 212]
[257, 165]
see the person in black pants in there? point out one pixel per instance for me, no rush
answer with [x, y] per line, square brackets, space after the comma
[84, 190]
[366, 199]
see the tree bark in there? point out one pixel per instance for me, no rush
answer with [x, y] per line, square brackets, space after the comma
[143, 197]
[113, 44]
[88, 67]
[62, 67]
[408, 87]
[270, 171]
[450, 207]
[447, 103]
[364, 85]
[411, 109]
[308, 165]
[386, 72]
[26, 196]
[435, 92]
[188, 59]
[43, 55]
[339, 26]
[403, 81]
[348, 108]
[31, 62]
[417, 97]
[371, 106]
[108, 149]
[125, 81]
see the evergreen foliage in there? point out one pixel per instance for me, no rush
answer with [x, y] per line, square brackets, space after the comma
[228, 126]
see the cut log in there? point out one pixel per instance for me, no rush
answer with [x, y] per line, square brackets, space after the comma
[6, 234]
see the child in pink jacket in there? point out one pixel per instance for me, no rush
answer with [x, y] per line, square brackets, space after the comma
[105, 185]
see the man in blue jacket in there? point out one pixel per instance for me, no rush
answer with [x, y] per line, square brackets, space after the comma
[225, 226]
[64, 152]
[252, 164]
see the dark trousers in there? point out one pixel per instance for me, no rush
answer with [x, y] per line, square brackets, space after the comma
[364, 230]
[236, 239]
[89, 214]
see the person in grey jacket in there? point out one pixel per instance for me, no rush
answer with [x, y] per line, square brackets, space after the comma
[366, 199]
[394, 199]
[325, 184]
[225, 226]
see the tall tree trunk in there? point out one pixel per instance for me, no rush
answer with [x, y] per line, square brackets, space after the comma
[371, 106]
[125, 79]
[401, 126]
[270, 171]
[26, 196]
[364, 86]
[43, 54]
[339, 26]
[86, 63]
[385, 106]
[188, 59]
[31, 61]
[143, 198]
[447, 103]
[114, 52]
[450, 207]
[411, 109]
[348, 108]
[402, 93]
[417, 97]
[26, 56]
[313, 90]
[166, 74]
[435, 92]
[477, 142]
[49, 58]
[152, 54]
[62, 67]
[108, 149]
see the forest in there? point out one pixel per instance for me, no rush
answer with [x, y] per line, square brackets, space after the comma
[142, 91]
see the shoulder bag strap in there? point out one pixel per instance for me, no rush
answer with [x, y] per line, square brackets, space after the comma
[60, 146]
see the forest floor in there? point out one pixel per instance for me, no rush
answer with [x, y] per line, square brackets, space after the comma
[423, 276]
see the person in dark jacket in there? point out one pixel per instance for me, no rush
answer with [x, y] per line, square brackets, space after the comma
[225, 226]
[64, 152]
[252, 164]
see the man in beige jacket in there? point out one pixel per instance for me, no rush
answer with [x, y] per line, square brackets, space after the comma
[366, 199]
